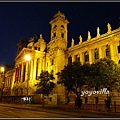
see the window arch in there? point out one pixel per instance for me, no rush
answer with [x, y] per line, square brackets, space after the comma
[55, 26]
[77, 58]
[54, 34]
[118, 47]
[62, 26]
[86, 56]
[119, 62]
[70, 60]
[52, 72]
[107, 50]
[62, 35]
[96, 53]
[52, 62]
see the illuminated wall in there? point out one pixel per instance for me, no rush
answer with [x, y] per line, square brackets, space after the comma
[53, 56]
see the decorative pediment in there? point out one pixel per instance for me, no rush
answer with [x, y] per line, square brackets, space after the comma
[23, 52]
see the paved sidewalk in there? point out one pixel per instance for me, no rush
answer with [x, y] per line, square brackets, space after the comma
[37, 107]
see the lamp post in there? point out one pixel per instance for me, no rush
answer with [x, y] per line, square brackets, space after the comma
[27, 58]
[2, 81]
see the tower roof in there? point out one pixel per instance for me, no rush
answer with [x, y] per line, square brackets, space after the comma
[59, 14]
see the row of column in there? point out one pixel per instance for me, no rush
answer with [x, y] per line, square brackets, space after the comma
[101, 54]
[21, 73]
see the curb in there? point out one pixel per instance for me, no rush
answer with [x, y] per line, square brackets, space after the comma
[37, 108]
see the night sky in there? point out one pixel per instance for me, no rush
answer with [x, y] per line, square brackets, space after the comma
[26, 19]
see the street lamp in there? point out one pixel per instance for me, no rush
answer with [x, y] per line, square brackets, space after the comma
[27, 58]
[2, 81]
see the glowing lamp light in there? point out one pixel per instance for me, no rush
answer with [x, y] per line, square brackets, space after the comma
[2, 69]
[27, 57]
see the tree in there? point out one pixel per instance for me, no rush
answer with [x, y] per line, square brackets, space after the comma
[45, 84]
[105, 73]
[73, 77]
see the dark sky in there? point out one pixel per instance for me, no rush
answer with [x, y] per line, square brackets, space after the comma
[26, 19]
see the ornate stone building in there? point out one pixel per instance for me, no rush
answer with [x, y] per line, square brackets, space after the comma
[53, 56]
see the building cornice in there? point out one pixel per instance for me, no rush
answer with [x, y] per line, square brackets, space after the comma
[94, 40]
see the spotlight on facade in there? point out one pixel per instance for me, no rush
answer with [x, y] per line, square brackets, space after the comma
[2, 69]
[27, 57]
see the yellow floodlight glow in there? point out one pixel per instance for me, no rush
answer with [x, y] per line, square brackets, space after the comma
[27, 57]
[2, 69]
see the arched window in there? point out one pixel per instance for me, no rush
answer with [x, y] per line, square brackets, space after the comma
[107, 50]
[69, 60]
[62, 35]
[119, 62]
[54, 34]
[77, 58]
[52, 62]
[86, 56]
[62, 26]
[55, 26]
[86, 99]
[52, 72]
[118, 47]
[96, 54]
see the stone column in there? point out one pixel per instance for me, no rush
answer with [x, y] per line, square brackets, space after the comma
[43, 63]
[21, 79]
[112, 52]
[73, 58]
[31, 74]
[34, 70]
[40, 66]
[81, 58]
[100, 53]
[26, 72]
[90, 56]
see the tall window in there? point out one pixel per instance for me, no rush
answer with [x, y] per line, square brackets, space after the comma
[37, 68]
[55, 26]
[86, 100]
[119, 62]
[35, 48]
[69, 60]
[20, 72]
[86, 56]
[96, 54]
[107, 50]
[52, 62]
[62, 35]
[52, 72]
[62, 26]
[118, 48]
[24, 69]
[96, 100]
[54, 35]
[77, 58]
[38, 48]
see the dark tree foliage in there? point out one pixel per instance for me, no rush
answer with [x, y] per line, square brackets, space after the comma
[74, 77]
[45, 84]
[105, 73]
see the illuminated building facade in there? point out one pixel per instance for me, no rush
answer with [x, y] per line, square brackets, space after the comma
[53, 56]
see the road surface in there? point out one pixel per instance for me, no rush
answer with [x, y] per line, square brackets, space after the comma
[12, 111]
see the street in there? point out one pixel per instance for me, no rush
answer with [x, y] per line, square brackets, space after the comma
[9, 112]
[24, 111]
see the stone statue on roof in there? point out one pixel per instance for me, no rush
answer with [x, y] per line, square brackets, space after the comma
[89, 36]
[98, 31]
[72, 43]
[80, 38]
[109, 27]
[41, 36]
